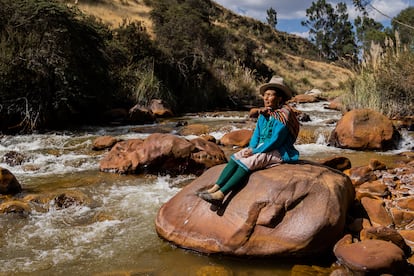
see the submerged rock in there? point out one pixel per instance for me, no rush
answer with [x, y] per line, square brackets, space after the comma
[287, 210]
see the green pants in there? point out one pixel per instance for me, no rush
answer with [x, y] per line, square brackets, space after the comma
[231, 176]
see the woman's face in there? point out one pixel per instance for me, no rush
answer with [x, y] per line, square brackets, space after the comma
[271, 99]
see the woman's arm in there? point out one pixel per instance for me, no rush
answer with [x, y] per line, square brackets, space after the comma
[254, 140]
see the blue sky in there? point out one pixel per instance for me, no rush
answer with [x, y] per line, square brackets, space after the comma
[290, 13]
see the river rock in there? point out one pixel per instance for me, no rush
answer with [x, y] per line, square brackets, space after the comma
[287, 210]
[385, 234]
[14, 158]
[159, 109]
[375, 188]
[59, 199]
[194, 129]
[104, 142]
[337, 162]
[14, 206]
[370, 256]
[140, 115]
[364, 129]
[8, 183]
[122, 158]
[376, 211]
[163, 153]
[240, 138]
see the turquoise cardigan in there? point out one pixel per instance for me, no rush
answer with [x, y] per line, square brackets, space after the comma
[271, 134]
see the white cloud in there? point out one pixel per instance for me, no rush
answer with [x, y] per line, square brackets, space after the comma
[296, 9]
[389, 8]
[302, 34]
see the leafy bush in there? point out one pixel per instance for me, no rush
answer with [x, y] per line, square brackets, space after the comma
[53, 66]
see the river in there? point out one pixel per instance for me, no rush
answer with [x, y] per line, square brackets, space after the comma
[114, 234]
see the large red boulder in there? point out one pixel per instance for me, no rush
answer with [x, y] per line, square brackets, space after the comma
[377, 257]
[364, 129]
[162, 153]
[240, 138]
[286, 210]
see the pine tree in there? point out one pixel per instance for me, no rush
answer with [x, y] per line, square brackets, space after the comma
[330, 30]
[272, 17]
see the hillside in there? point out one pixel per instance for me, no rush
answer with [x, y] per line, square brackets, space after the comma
[288, 55]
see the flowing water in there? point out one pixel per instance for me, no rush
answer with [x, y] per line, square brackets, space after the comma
[114, 234]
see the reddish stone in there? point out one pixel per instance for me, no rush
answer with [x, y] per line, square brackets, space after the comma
[376, 165]
[122, 158]
[140, 115]
[361, 175]
[240, 138]
[385, 234]
[286, 210]
[371, 189]
[408, 236]
[337, 162]
[377, 213]
[370, 256]
[162, 154]
[194, 129]
[104, 142]
[405, 203]
[364, 129]
[402, 218]
[159, 109]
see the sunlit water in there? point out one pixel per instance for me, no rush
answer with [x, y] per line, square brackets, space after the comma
[115, 233]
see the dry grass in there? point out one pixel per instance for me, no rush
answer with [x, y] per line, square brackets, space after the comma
[304, 74]
[385, 80]
[301, 73]
[113, 12]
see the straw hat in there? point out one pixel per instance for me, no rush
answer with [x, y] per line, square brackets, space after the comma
[276, 82]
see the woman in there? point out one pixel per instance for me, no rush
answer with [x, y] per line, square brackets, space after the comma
[272, 142]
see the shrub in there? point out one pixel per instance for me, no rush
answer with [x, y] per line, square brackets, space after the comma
[385, 81]
[53, 67]
[239, 80]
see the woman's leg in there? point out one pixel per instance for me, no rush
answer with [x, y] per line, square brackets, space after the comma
[217, 197]
[225, 175]
[237, 178]
[227, 172]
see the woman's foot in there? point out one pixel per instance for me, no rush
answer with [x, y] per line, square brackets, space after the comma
[213, 189]
[215, 198]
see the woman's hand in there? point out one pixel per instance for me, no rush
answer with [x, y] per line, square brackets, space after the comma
[265, 111]
[247, 152]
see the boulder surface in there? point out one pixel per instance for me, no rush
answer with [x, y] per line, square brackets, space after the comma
[287, 210]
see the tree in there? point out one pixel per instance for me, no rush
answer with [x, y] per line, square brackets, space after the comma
[330, 30]
[367, 31]
[344, 44]
[271, 17]
[404, 24]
